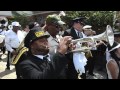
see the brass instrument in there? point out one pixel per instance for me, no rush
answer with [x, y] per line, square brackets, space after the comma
[108, 36]
[88, 54]
[20, 50]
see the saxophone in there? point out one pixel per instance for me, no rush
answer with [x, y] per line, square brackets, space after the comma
[20, 50]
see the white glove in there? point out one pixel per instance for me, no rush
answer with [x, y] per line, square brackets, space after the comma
[79, 61]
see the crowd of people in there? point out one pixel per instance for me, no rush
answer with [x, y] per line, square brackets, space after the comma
[50, 55]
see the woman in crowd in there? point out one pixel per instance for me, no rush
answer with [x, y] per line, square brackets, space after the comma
[113, 61]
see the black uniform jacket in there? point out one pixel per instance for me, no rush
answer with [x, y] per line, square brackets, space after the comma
[71, 32]
[35, 68]
[71, 72]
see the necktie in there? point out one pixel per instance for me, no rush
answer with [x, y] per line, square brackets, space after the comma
[45, 58]
[80, 35]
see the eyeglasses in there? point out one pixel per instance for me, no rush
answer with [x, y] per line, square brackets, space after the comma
[56, 26]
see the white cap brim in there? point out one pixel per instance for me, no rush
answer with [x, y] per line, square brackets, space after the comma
[87, 27]
[16, 24]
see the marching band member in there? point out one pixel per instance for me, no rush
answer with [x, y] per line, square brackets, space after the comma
[12, 41]
[91, 56]
[52, 27]
[38, 64]
[75, 58]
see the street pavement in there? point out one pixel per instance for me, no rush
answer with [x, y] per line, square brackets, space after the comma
[11, 74]
[5, 73]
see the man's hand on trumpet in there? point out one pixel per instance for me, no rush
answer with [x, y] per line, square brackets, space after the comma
[65, 44]
[100, 43]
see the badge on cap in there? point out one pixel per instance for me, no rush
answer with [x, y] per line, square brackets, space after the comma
[40, 33]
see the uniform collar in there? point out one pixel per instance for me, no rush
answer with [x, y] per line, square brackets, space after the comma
[41, 56]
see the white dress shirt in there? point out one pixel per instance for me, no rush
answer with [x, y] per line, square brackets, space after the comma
[13, 40]
[80, 32]
[53, 43]
[2, 35]
[2, 32]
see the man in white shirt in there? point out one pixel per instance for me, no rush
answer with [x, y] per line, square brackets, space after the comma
[91, 56]
[12, 40]
[52, 28]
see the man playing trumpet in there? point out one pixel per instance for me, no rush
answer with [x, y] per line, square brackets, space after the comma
[38, 64]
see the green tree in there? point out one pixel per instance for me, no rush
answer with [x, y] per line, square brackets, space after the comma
[22, 19]
[98, 19]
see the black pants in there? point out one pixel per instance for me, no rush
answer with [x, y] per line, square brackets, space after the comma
[3, 49]
[10, 55]
[8, 60]
[91, 62]
[17, 71]
[71, 72]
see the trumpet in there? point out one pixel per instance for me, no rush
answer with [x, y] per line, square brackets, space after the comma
[20, 50]
[107, 36]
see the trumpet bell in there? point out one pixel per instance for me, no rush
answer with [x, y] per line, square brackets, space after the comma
[108, 36]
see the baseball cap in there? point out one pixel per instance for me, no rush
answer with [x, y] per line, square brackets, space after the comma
[15, 24]
[55, 19]
[87, 27]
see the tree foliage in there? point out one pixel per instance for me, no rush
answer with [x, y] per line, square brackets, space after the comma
[22, 19]
[98, 19]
